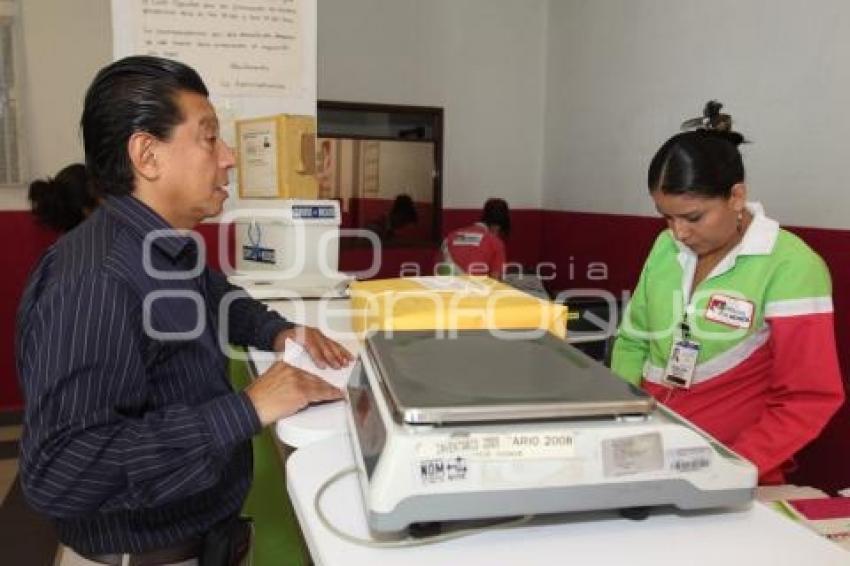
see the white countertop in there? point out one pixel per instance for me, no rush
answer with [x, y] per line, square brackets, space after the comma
[755, 536]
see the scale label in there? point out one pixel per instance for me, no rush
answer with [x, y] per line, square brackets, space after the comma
[632, 454]
[689, 459]
[511, 446]
[312, 211]
[440, 470]
[258, 254]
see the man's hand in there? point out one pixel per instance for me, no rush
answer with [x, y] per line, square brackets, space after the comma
[324, 351]
[284, 390]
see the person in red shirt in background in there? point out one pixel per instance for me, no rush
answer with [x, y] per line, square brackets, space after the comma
[478, 249]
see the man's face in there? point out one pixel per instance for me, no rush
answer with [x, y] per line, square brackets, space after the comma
[194, 164]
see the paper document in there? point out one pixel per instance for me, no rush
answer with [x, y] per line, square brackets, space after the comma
[827, 516]
[295, 355]
[449, 283]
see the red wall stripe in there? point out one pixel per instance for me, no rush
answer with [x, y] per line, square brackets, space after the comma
[23, 243]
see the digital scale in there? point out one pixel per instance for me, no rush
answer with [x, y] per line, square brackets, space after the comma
[472, 425]
[289, 249]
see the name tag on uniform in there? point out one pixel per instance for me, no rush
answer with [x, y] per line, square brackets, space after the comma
[468, 239]
[731, 311]
[682, 364]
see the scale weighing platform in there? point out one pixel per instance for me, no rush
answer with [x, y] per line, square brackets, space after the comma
[464, 425]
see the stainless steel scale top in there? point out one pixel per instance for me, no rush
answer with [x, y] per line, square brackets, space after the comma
[478, 377]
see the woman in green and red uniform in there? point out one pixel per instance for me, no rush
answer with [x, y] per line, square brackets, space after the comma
[731, 323]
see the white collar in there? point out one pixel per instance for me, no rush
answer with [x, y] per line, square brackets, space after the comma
[760, 237]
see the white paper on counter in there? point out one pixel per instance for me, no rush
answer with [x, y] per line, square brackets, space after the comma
[295, 355]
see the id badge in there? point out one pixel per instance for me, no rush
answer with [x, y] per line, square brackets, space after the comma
[682, 363]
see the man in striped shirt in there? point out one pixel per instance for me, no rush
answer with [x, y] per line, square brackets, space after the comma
[134, 442]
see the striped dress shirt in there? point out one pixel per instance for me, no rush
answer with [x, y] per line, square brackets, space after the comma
[133, 437]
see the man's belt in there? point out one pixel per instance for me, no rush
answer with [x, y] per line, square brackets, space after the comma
[225, 544]
[159, 557]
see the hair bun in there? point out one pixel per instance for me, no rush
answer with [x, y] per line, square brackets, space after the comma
[39, 188]
[714, 120]
[62, 202]
[714, 123]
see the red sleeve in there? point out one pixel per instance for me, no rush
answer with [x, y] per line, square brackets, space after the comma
[497, 258]
[805, 391]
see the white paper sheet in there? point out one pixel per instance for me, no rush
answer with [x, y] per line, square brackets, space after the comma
[295, 355]
[257, 57]
[449, 283]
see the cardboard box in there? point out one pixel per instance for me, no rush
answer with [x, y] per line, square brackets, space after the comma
[277, 157]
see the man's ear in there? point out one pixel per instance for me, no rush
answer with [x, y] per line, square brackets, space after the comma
[141, 147]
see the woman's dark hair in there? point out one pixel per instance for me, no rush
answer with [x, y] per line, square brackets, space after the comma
[496, 213]
[704, 162]
[134, 94]
[64, 201]
[403, 211]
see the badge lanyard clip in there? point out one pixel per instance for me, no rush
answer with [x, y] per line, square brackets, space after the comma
[682, 363]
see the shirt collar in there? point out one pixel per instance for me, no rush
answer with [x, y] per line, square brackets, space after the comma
[144, 221]
[761, 233]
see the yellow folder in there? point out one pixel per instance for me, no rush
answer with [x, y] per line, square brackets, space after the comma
[450, 303]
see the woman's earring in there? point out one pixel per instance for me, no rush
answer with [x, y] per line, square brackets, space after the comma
[740, 221]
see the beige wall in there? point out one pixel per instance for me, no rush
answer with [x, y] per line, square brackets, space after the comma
[623, 74]
[65, 43]
[596, 85]
[406, 167]
[481, 60]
